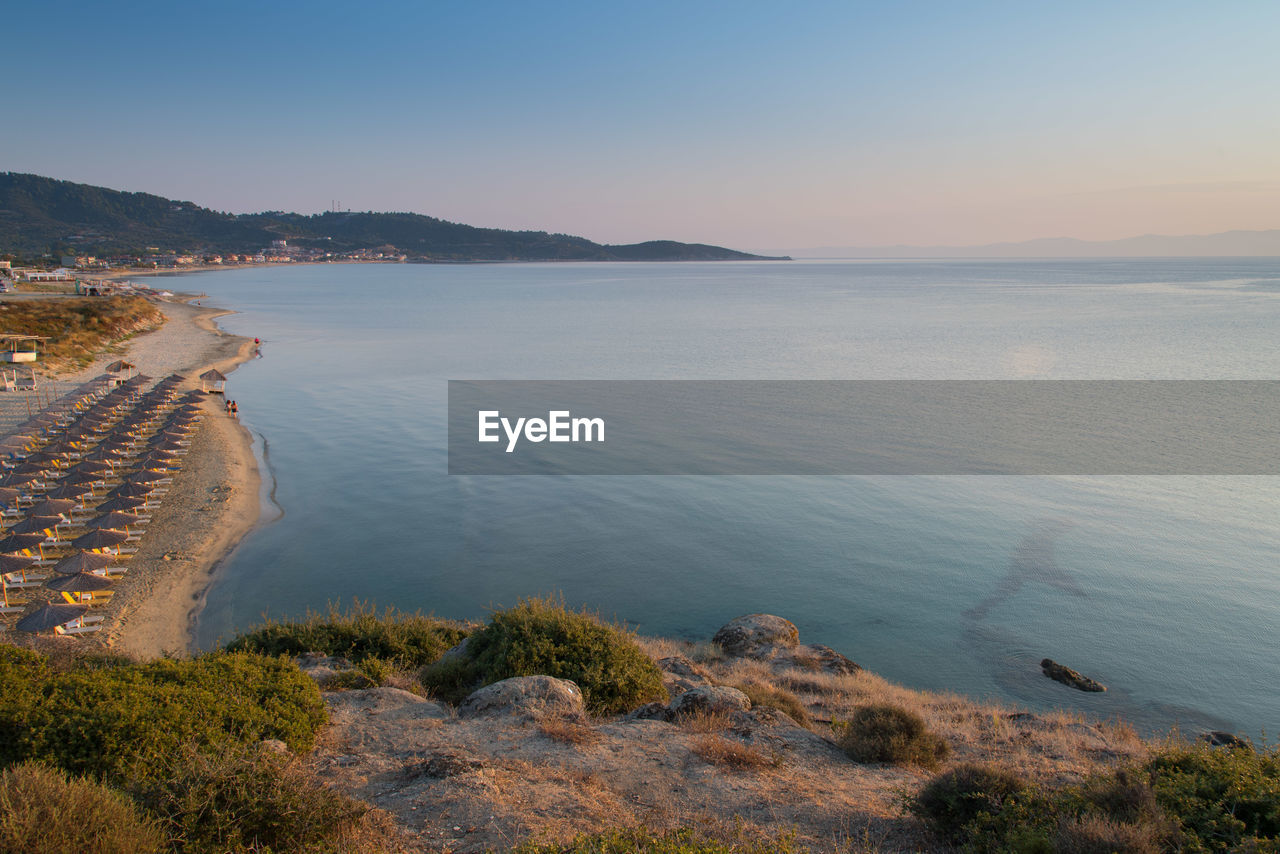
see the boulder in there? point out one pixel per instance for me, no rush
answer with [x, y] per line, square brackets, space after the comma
[527, 696]
[652, 712]
[1220, 738]
[1067, 676]
[756, 635]
[828, 659]
[679, 674]
[710, 700]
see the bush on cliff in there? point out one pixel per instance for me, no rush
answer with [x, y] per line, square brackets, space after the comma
[255, 800]
[113, 721]
[43, 811]
[543, 637]
[404, 641]
[883, 733]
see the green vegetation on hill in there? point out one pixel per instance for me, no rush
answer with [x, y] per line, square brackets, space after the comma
[1187, 797]
[45, 216]
[170, 749]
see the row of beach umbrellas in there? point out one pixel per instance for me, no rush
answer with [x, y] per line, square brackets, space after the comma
[106, 432]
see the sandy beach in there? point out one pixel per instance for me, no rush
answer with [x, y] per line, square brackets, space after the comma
[211, 504]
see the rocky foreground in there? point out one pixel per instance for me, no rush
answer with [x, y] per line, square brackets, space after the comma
[521, 759]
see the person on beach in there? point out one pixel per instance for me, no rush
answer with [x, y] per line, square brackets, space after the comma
[235, 410]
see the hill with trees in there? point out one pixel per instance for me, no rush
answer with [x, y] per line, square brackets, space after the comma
[46, 217]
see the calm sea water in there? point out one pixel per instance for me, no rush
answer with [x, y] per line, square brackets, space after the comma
[1165, 588]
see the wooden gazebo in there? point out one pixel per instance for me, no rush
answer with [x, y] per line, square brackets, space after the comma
[213, 381]
[20, 348]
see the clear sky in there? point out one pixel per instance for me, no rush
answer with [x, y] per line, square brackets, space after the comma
[746, 124]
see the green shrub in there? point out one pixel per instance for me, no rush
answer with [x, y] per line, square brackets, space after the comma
[404, 641]
[955, 803]
[42, 811]
[1223, 799]
[543, 637]
[252, 800]
[645, 841]
[103, 720]
[889, 734]
[771, 697]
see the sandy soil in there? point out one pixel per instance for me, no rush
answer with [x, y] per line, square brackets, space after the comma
[211, 504]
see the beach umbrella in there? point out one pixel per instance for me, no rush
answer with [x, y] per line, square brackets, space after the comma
[9, 495]
[131, 490]
[95, 467]
[30, 466]
[74, 491]
[81, 582]
[149, 476]
[15, 563]
[20, 542]
[102, 538]
[53, 507]
[82, 478]
[128, 505]
[83, 562]
[19, 479]
[115, 519]
[51, 615]
[36, 524]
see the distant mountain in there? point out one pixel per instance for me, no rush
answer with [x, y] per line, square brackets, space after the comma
[1227, 243]
[44, 216]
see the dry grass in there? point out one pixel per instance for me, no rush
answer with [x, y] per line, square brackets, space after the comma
[718, 750]
[704, 721]
[568, 732]
[78, 328]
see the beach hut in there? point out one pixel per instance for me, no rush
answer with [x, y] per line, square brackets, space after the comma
[119, 371]
[213, 381]
[20, 348]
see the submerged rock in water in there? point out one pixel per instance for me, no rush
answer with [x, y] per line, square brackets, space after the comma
[1220, 738]
[1067, 676]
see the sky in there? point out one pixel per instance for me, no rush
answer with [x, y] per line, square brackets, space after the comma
[759, 126]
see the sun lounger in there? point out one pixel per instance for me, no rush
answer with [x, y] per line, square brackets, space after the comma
[74, 630]
[20, 580]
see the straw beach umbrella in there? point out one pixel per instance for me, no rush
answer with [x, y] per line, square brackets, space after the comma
[116, 519]
[100, 538]
[50, 616]
[21, 542]
[81, 582]
[53, 507]
[37, 524]
[128, 505]
[84, 562]
[131, 490]
[74, 491]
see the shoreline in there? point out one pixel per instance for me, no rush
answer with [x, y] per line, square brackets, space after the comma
[216, 508]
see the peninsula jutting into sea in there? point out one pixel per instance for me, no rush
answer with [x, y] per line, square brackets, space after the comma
[47, 218]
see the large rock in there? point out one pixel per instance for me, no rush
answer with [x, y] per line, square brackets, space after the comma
[827, 659]
[756, 635]
[716, 699]
[1067, 676]
[679, 674]
[527, 696]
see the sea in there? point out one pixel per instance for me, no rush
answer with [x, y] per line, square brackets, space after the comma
[1164, 588]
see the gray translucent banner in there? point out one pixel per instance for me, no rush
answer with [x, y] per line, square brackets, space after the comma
[864, 427]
